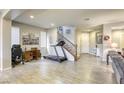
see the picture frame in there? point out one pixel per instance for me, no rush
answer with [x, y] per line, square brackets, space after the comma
[99, 38]
[30, 39]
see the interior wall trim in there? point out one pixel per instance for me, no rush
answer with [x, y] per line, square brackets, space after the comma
[6, 69]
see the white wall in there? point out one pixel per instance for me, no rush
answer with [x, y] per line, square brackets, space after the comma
[52, 36]
[0, 42]
[24, 29]
[85, 42]
[51, 39]
[92, 40]
[72, 34]
[79, 42]
[118, 37]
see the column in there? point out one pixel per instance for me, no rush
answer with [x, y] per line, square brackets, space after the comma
[5, 44]
[106, 43]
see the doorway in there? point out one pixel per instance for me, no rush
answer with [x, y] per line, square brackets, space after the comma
[85, 42]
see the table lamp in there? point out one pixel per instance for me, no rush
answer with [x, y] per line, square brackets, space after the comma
[114, 45]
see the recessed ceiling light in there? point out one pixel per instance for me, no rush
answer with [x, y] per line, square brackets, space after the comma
[32, 17]
[52, 24]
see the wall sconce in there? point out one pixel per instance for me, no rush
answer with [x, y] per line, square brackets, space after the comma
[106, 37]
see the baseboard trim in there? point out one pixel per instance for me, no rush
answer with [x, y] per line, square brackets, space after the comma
[92, 54]
[6, 69]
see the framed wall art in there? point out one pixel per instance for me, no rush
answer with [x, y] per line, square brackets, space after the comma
[30, 39]
[99, 38]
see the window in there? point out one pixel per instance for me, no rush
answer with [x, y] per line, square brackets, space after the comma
[15, 35]
[43, 39]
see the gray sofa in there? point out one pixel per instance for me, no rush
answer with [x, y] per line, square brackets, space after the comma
[117, 65]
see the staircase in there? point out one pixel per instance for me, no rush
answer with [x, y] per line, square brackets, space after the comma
[69, 46]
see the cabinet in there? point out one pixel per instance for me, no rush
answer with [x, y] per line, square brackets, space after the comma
[27, 56]
[33, 54]
[36, 54]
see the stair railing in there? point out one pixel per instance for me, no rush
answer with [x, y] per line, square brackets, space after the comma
[69, 46]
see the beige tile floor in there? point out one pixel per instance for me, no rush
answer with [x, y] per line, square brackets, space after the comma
[88, 70]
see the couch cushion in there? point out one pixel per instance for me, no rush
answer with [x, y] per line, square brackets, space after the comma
[121, 63]
[119, 66]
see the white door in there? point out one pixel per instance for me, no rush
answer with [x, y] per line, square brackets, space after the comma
[85, 42]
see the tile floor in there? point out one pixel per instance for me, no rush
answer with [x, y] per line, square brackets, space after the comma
[88, 70]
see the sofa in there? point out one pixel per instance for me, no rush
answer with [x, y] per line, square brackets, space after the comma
[117, 65]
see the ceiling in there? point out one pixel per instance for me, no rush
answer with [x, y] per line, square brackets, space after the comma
[83, 18]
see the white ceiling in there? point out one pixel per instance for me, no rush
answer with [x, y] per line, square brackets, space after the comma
[75, 17]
